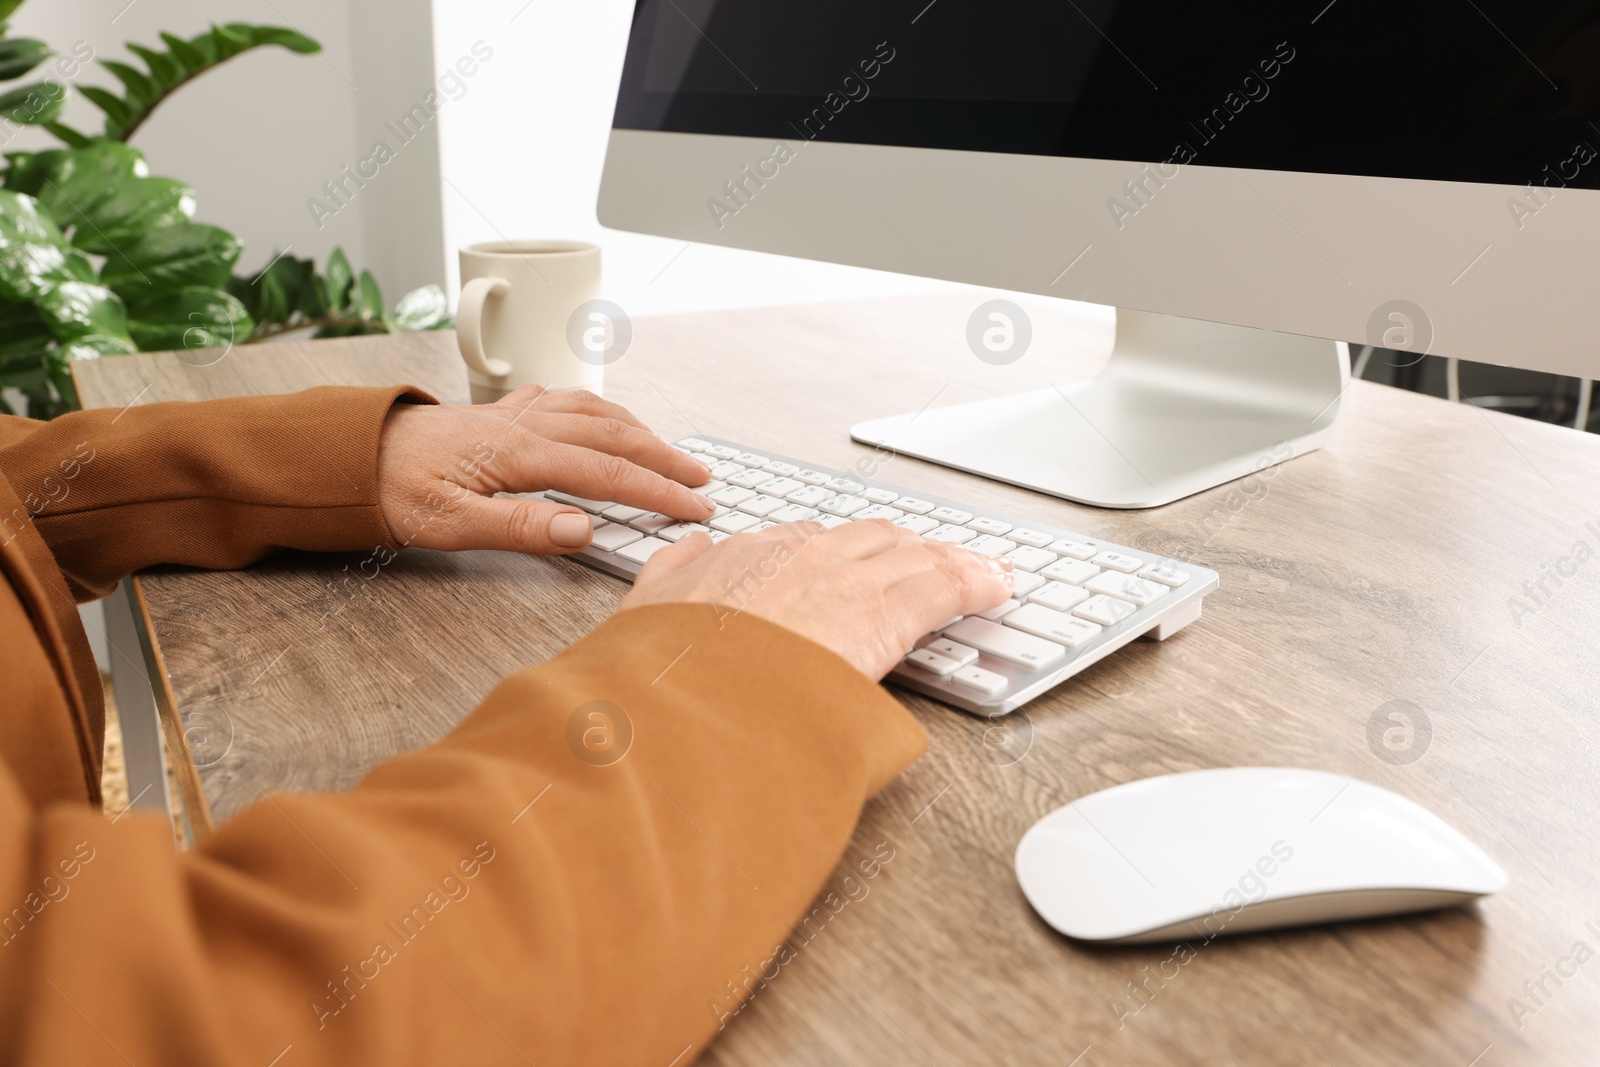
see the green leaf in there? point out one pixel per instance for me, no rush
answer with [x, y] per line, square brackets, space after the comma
[422, 309]
[18, 55]
[68, 135]
[341, 279]
[34, 256]
[141, 90]
[133, 207]
[187, 54]
[74, 310]
[293, 40]
[7, 7]
[24, 337]
[372, 308]
[170, 258]
[274, 306]
[118, 113]
[314, 302]
[167, 71]
[194, 317]
[76, 177]
[33, 105]
[25, 171]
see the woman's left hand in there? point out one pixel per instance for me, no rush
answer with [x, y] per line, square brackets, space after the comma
[439, 468]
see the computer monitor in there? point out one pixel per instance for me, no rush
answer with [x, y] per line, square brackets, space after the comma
[1250, 184]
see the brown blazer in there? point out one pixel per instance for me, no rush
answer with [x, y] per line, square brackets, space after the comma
[429, 915]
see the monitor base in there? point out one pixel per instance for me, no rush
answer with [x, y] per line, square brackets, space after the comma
[1182, 406]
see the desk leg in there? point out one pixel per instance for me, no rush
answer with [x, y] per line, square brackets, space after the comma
[136, 705]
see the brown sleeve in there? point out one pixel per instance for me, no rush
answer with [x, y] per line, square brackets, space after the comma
[496, 898]
[217, 483]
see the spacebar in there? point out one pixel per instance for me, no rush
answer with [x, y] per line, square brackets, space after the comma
[1005, 643]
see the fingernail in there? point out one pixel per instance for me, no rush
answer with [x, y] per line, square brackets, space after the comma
[570, 529]
[705, 502]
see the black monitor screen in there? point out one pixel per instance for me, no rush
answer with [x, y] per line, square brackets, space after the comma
[1454, 90]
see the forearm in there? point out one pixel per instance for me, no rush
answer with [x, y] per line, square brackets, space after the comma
[618, 899]
[211, 484]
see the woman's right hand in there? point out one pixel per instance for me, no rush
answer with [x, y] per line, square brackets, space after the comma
[866, 591]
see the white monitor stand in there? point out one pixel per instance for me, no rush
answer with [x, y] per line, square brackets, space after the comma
[1183, 405]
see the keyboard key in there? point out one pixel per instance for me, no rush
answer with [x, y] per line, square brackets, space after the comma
[722, 451]
[718, 535]
[1028, 558]
[1105, 610]
[593, 507]
[952, 516]
[781, 469]
[880, 496]
[735, 522]
[878, 511]
[984, 545]
[758, 527]
[1052, 625]
[750, 459]
[1059, 596]
[1166, 574]
[710, 487]
[956, 535]
[1071, 571]
[725, 469]
[792, 513]
[680, 531]
[847, 486]
[1075, 549]
[750, 478]
[1023, 583]
[762, 506]
[653, 523]
[842, 505]
[810, 496]
[614, 537]
[810, 477]
[1002, 642]
[986, 682]
[1116, 561]
[779, 486]
[917, 524]
[623, 513]
[830, 521]
[933, 663]
[913, 505]
[1000, 611]
[1127, 587]
[640, 551]
[993, 527]
[962, 654]
[1031, 538]
[694, 444]
[732, 496]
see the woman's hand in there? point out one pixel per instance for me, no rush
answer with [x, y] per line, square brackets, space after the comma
[866, 590]
[439, 468]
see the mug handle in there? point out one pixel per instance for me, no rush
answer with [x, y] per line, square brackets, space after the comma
[469, 325]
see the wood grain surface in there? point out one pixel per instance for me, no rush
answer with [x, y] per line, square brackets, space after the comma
[1377, 570]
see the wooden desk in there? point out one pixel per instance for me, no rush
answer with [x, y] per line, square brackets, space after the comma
[1376, 570]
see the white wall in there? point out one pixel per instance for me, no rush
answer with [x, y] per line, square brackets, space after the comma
[258, 136]
[523, 150]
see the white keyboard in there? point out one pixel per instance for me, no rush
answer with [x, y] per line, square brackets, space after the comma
[1076, 600]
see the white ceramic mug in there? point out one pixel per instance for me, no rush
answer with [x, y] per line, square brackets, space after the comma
[517, 301]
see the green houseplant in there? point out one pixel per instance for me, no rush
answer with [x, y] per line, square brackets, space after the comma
[99, 258]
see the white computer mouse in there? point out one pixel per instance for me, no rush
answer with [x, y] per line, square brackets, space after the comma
[1208, 853]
